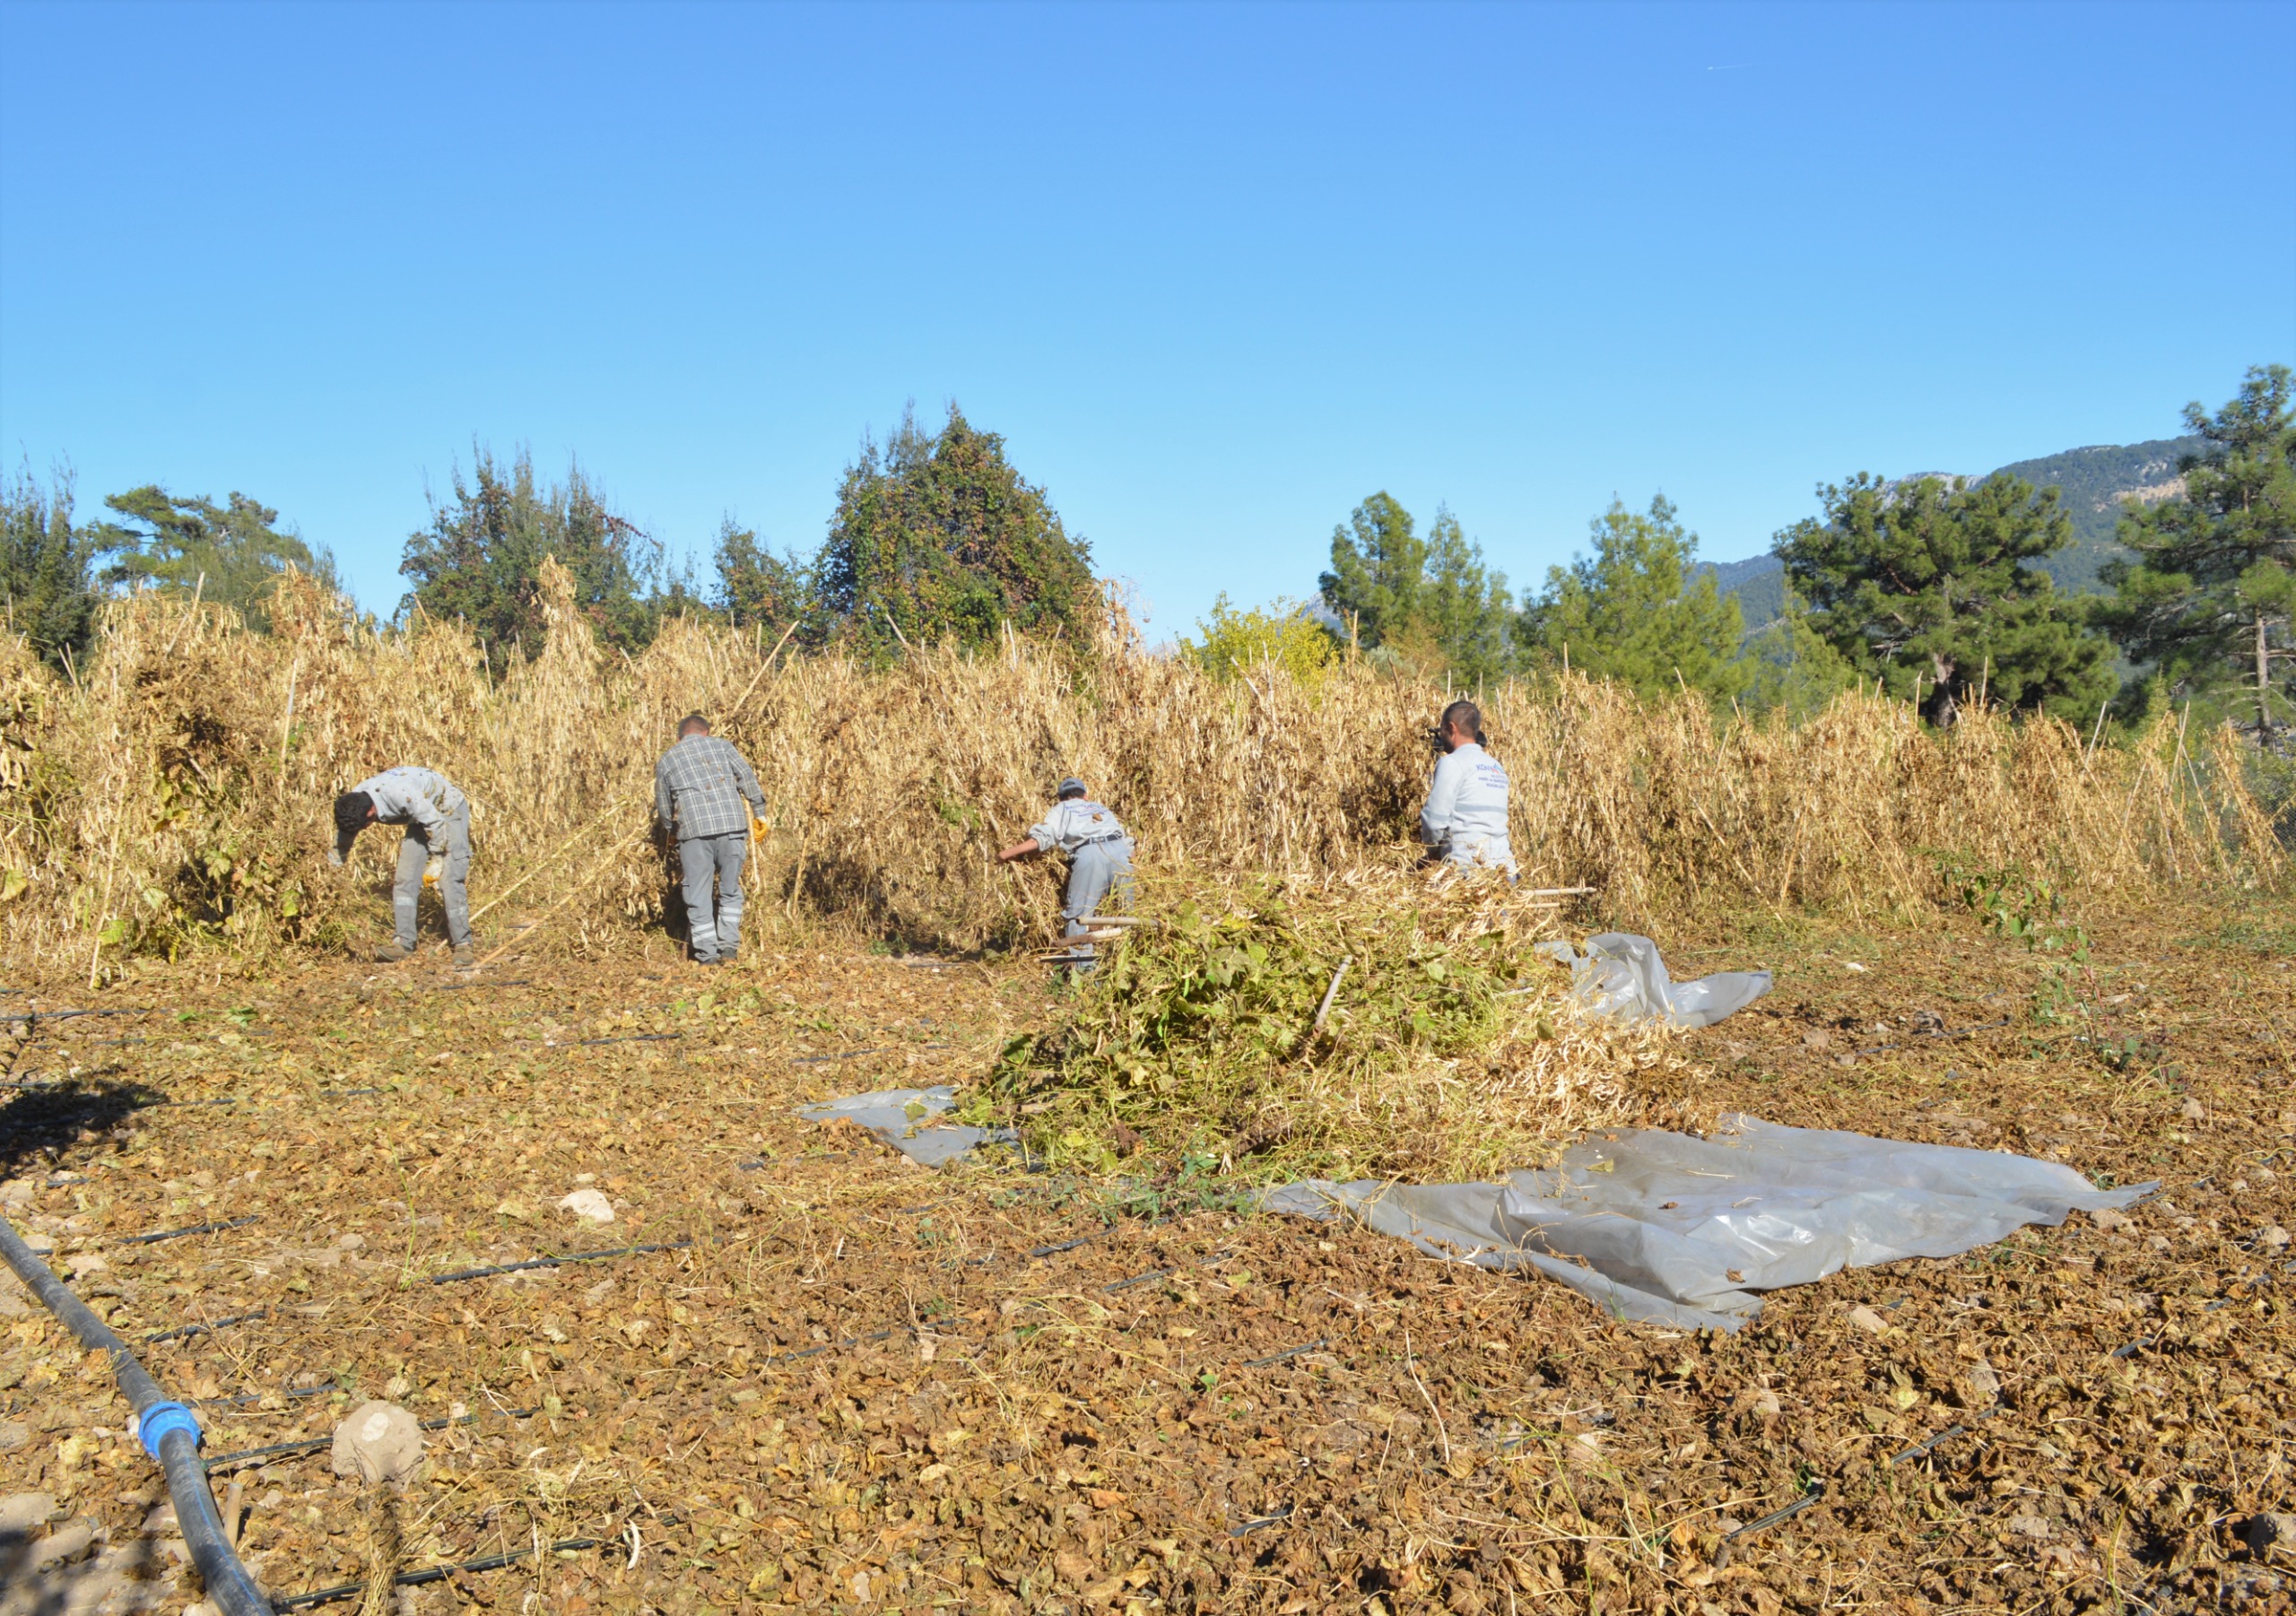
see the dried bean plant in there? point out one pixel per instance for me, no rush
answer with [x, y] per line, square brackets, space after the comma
[172, 794]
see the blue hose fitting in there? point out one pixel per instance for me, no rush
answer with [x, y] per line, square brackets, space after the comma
[162, 1417]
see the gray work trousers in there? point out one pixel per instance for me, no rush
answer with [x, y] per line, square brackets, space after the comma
[413, 853]
[1095, 870]
[712, 868]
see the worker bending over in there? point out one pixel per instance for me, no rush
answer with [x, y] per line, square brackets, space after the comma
[1099, 854]
[699, 788]
[1464, 822]
[437, 818]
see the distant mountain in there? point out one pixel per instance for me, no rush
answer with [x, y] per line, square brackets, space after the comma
[2096, 483]
[1759, 582]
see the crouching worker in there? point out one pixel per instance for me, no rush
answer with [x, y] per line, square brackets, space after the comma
[437, 818]
[1100, 854]
[703, 791]
[1464, 822]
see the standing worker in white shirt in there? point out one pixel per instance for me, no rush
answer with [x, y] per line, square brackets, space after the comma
[437, 818]
[1099, 854]
[1464, 822]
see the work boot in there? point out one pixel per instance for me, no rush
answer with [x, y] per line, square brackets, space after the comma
[391, 953]
[465, 957]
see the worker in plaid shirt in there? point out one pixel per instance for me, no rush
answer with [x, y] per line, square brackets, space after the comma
[703, 790]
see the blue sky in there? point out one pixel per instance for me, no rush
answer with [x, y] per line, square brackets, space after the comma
[1215, 271]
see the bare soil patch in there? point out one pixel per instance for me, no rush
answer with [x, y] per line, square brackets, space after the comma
[844, 1383]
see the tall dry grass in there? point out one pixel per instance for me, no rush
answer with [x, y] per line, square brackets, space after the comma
[174, 795]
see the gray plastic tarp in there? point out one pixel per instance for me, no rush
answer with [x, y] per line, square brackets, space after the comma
[1676, 1230]
[909, 1120]
[1621, 975]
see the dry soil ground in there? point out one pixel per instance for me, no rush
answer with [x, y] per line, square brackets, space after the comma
[856, 1385]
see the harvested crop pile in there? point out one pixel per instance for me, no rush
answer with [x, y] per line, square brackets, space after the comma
[1371, 1024]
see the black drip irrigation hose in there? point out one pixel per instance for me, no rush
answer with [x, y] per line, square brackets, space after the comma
[1780, 1517]
[185, 1332]
[1947, 1434]
[410, 1579]
[1959, 1033]
[571, 1257]
[1142, 1279]
[311, 1445]
[31, 1018]
[856, 1341]
[168, 1431]
[1258, 1521]
[942, 1318]
[196, 1228]
[1046, 1251]
[246, 1397]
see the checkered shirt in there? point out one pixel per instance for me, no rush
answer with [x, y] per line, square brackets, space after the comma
[698, 787]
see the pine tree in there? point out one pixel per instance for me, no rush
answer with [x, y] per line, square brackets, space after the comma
[2209, 597]
[1633, 612]
[1429, 602]
[1928, 582]
[759, 589]
[48, 565]
[479, 562]
[228, 555]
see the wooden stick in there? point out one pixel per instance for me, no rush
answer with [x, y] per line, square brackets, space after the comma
[761, 673]
[612, 854]
[287, 724]
[1330, 993]
[1556, 892]
[96, 954]
[553, 859]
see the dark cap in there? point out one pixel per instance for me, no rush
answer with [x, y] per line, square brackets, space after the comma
[1071, 787]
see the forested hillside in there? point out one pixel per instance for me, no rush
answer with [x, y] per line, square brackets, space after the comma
[2096, 483]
